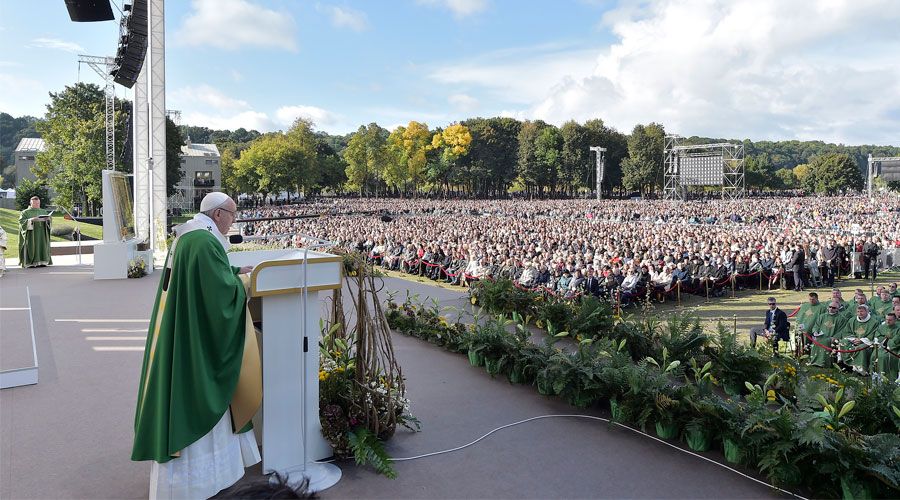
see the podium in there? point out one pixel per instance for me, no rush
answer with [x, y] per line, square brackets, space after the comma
[284, 287]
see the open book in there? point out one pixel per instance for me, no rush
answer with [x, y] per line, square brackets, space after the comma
[45, 218]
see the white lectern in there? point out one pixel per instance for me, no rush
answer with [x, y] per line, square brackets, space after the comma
[288, 286]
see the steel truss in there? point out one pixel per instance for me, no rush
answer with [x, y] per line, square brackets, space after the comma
[102, 66]
[872, 170]
[733, 178]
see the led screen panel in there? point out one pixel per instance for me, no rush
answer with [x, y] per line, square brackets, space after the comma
[701, 169]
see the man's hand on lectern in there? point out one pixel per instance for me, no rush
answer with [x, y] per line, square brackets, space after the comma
[246, 269]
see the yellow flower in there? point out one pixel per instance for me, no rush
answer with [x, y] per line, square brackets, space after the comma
[770, 395]
[473, 301]
[322, 375]
[829, 427]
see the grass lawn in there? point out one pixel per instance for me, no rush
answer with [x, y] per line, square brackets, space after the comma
[9, 219]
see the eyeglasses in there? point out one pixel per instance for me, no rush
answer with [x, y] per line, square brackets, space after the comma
[832, 307]
[233, 214]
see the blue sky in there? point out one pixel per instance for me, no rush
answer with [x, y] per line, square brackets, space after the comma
[759, 69]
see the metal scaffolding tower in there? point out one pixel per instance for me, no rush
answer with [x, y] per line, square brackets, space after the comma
[102, 66]
[873, 167]
[672, 188]
[680, 158]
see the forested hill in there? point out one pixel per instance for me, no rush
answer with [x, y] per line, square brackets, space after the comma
[789, 154]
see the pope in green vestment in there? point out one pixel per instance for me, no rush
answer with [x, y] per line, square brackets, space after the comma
[863, 330]
[34, 236]
[194, 349]
[827, 327]
[889, 334]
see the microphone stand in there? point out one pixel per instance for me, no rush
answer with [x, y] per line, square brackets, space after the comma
[321, 475]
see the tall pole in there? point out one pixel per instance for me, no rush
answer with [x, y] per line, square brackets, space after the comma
[601, 169]
[157, 100]
[141, 151]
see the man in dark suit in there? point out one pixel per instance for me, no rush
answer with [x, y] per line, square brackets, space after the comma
[870, 253]
[592, 284]
[796, 264]
[776, 326]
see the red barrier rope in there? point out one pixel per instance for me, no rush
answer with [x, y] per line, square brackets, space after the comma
[831, 349]
[791, 315]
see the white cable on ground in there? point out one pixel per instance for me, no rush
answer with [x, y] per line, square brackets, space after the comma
[591, 417]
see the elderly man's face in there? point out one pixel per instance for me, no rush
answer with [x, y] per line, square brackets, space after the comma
[224, 216]
[35, 203]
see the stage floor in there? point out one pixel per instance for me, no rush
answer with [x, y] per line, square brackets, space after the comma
[70, 435]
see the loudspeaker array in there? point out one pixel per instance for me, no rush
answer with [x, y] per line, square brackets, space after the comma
[133, 32]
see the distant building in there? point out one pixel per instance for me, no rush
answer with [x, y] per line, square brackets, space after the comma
[25, 153]
[202, 174]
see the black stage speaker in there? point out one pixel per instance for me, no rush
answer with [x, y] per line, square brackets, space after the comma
[85, 11]
[132, 44]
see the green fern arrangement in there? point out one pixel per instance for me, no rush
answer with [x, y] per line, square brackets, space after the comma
[368, 450]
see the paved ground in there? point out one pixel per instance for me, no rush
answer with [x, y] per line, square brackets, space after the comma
[70, 435]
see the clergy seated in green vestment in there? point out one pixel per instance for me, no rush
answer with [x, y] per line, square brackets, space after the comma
[808, 316]
[888, 335]
[859, 333]
[827, 327]
[201, 383]
[34, 236]
[881, 305]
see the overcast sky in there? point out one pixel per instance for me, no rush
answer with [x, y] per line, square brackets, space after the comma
[757, 69]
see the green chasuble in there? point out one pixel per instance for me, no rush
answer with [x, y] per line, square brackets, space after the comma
[808, 315]
[889, 365]
[859, 329]
[195, 346]
[34, 239]
[879, 307]
[826, 329]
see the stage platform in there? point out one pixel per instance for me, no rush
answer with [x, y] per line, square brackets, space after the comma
[70, 435]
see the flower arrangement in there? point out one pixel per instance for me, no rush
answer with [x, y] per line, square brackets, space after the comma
[137, 268]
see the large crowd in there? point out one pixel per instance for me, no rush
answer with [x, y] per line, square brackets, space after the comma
[626, 247]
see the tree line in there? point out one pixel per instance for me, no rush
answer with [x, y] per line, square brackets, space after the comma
[476, 157]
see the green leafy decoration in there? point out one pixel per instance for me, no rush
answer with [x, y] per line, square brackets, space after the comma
[368, 450]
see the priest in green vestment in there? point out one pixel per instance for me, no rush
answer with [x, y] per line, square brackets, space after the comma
[881, 304]
[34, 236]
[888, 335]
[827, 327]
[859, 332]
[200, 383]
[808, 315]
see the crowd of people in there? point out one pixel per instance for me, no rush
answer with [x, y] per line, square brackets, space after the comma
[623, 247]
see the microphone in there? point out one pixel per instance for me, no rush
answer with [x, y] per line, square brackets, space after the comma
[235, 238]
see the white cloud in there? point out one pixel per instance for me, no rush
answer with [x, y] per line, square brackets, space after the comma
[320, 117]
[521, 76]
[250, 120]
[764, 69]
[345, 17]
[57, 44]
[460, 8]
[206, 96]
[463, 102]
[234, 24]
